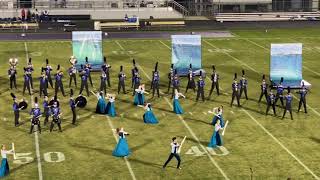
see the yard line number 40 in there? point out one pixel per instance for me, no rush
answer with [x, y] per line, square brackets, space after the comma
[51, 157]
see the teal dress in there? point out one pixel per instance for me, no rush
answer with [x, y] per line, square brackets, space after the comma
[122, 148]
[176, 105]
[138, 98]
[4, 169]
[149, 117]
[101, 105]
[216, 139]
[111, 110]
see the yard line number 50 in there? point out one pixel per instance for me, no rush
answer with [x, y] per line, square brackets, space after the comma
[51, 157]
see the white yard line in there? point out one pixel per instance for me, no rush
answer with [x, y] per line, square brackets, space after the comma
[187, 126]
[283, 146]
[275, 139]
[236, 59]
[125, 158]
[36, 138]
[165, 44]
[316, 112]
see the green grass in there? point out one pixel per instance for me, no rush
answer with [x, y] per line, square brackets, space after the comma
[88, 145]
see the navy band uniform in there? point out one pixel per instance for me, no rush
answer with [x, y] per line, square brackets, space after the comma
[122, 78]
[264, 89]
[235, 91]
[214, 82]
[244, 85]
[271, 103]
[200, 84]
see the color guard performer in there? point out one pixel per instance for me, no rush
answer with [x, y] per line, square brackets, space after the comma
[264, 89]
[88, 70]
[170, 78]
[43, 83]
[215, 81]
[148, 116]
[55, 113]
[235, 91]
[122, 78]
[176, 104]
[48, 70]
[36, 114]
[84, 80]
[243, 85]
[174, 153]
[155, 81]
[4, 169]
[216, 139]
[288, 107]
[271, 103]
[110, 109]
[303, 93]
[58, 83]
[279, 94]
[106, 68]
[201, 84]
[12, 73]
[191, 83]
[122, 148]
[139, 96]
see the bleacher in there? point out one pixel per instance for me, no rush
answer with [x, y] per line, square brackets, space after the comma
[270, 16]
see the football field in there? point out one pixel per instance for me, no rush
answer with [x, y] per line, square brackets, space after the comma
[255, 145]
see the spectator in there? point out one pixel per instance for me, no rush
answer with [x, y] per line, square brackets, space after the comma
[23, 14]
[28, 15]
[126, 18]
[37, 17]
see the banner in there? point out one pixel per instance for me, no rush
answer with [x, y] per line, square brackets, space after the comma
[186, 50]
[286, 62]
[88, 44]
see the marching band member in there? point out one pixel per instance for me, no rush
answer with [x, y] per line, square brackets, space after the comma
[88, 69]
[139, 96]
[48, 70]
[122, 148]
[243, 85]
[155, 81]
[279, 94]
[4, 169]
[191, 83]
[58, 83]
[36, 114]
[134, 71]
[216, 139]
[84, 80]
[73, 106]
[43, 83]
[175, 83]
[288, 107]
[235, 90]
[201, 84]
[16, 110]
[148, 116]
[122, 78]
[46, 110]
[103, 84]
[264, 89]
[72, 75]
[106, 68]
[29, 70]
[303, 93]
[170, 78]
[174, 153]
[26, 84]
[55, 111]
[12, 73]
[136, 80]
[176, 105]
[111, 110]
[101, 107]
[271, 103]
[215, 81]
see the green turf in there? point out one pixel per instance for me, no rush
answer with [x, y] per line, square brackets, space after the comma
[88, 145]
